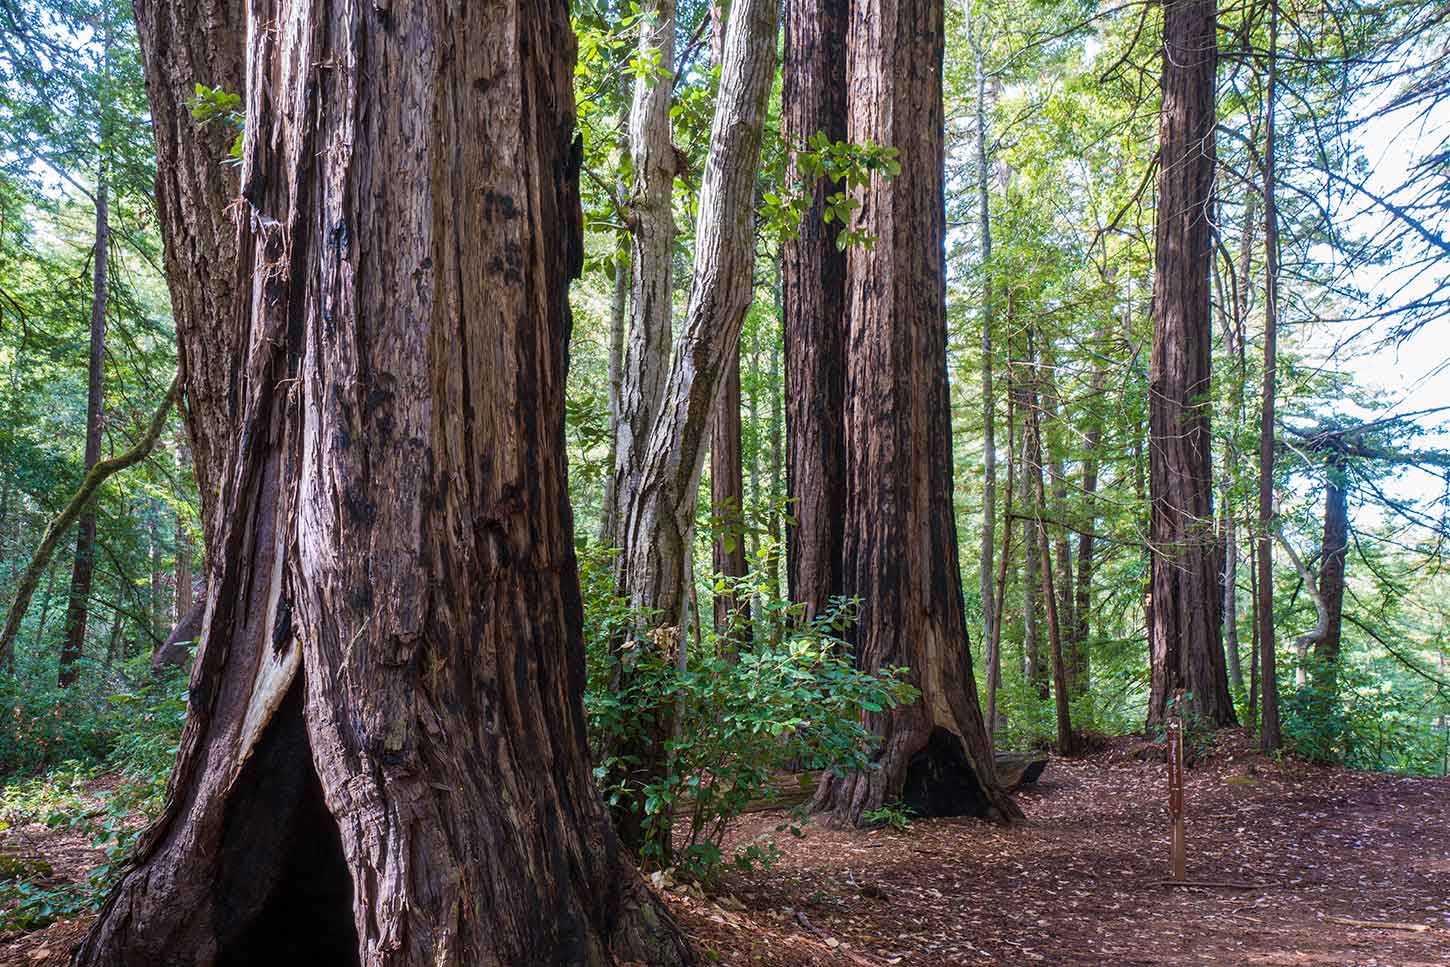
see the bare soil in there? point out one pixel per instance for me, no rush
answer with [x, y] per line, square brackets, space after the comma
[1320, 867]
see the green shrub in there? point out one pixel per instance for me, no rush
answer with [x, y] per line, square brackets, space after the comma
[1361, 722]
[794, 699]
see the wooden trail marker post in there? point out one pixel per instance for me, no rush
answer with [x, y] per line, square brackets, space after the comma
[1175, 792]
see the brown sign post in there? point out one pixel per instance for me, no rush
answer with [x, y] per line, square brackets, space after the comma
[1175, 791]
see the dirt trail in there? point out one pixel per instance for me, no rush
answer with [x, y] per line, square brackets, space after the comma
[1079, 885]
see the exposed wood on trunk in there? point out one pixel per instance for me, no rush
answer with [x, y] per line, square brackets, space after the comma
[384, 761]
[1186, 646]
[901, 541]
[618, 316]
[813, 100]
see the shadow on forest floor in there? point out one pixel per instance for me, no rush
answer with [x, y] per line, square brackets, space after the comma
[1316, 858]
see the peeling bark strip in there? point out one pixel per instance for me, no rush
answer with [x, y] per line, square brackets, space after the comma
[813, 99]
[1186, 645]
[901, 539]
[384, 761]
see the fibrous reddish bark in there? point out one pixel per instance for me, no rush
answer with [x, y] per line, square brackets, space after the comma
[384, 760]
[813, 100]
[901, 542]
[1186, 646]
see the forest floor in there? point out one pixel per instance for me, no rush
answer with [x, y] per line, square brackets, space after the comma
[1316, 867]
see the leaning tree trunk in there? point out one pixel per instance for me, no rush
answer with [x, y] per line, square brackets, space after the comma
[1186, 646]
[78, 606]
[813, 101]
[658, 499]
[384, 761]
[901, 540]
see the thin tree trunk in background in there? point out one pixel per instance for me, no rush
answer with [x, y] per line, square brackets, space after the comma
[1087, 541]
[618, 317]
[1269, 733]
[1253, 722]
[1054, 442]
[1243, 276]
[813, 101]
[1331, 571]
[658, 500]
[156, 601]
[994, 641]
[384, 761]
[1065, 743]
[901, 552]
[1033, 668]
[82, 572]
[989, 403]
[776, 436]
[1187, 644]
[727, 503]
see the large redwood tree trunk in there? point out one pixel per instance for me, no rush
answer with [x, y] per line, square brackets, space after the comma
[1186, 645]
[901, 540]
[813, 100]
[384, 761]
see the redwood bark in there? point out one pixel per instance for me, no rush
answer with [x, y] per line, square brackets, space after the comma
[813, 100]
[384, 761]
[1186, 645]
[901, 541]
[83, 570]
[185, 43]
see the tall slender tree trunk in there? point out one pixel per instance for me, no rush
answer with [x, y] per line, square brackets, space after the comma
[727, 500]
[1087, 543]
[1053, 442]
[1187, 644]
[994, 640]
[1242, 279]
[1331, 572]
[813, 101]
[1269, 733]
[618, 318]
[1065, 742]
[82, 572]
[1034, 670]
[384, 761]
[901, 541]
[727, 477]
[989, 403]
